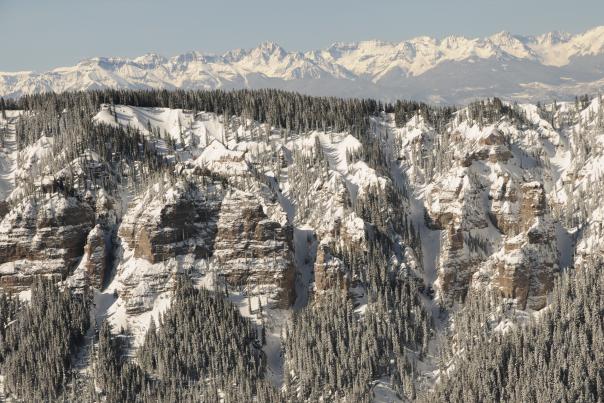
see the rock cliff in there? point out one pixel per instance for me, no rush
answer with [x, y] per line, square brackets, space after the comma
[43, 236]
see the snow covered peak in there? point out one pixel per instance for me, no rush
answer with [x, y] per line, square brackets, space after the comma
[150, 59]
[457, 69]
[511, 45]
[187, 58]
[552, 38]
[269, 48]
[235, 55]
[268, 53]
[502, 36]
[591, 42]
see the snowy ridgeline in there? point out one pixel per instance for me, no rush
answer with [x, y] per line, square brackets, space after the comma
[458, 69]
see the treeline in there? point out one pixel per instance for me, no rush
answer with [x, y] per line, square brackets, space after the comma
[287, 110]
[489, 111]
[437, 117]
[280, 109]
[67, 118]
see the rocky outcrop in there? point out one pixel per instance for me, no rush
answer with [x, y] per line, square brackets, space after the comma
[96, 256]
[496, 231]
[43, 237]
[330, 271]
[492, 146]
[526, 268]
[526, 273]
[165, 231]
[505, 205]
[203, 226]
[514, 206]
[161, 225]
[522, 268]
[493, 137]
[455, 206]
[253, 251]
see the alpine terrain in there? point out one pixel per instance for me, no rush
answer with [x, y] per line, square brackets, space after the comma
[265, 226]
[453, 69]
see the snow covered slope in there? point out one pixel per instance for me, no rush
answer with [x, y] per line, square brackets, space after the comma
[453, 69]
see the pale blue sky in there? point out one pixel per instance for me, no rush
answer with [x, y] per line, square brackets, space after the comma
[40, 34]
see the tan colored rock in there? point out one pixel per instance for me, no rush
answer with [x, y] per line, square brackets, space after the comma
[499, 154]
[533, 203]
[158, 229]
[495, 137]
[96, 256]
[526, 274]
[43, 237]
[330, 272]
[527, 268]
[251, 250]
[210, 225]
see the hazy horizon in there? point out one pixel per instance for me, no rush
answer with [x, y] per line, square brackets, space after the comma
[62, 33]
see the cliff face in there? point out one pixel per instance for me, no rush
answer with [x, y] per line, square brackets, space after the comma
[253, 251]
[330, 271]
[203, 226]
[96, 259]
[496, 229]
[526, 266]
[496, 205]
[169, 222]
[44, 237]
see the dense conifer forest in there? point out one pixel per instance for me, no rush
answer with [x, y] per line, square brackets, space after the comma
[558, 356]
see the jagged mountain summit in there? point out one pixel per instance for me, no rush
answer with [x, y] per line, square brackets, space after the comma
[450, 70]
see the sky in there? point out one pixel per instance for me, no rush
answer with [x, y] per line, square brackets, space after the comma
[42, 34]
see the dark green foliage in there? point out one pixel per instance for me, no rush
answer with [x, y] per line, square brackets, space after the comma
[558, 357]
[9, 307]
[333, 351]
[118, 378]
[202, 347]
[197, 326]
[39, 344]
[86, 156]
[436, 116]
[490, 111]
[2, 109]
[291, 111]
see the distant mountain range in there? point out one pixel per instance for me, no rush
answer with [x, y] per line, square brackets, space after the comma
[450, 70]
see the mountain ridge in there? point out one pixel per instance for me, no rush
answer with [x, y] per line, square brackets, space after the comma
[373, 68]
